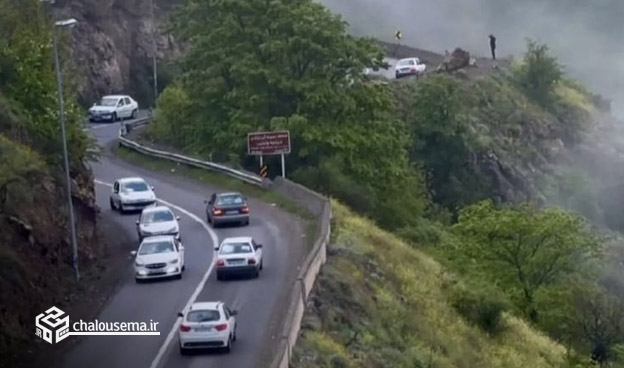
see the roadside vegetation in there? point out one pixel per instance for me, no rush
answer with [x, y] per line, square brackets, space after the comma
[35, 254]
[470, 173]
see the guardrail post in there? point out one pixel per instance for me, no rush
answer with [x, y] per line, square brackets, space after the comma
[303, 291]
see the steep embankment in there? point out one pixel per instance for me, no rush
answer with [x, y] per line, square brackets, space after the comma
[113, 45]
[35, 252]
[381, 303]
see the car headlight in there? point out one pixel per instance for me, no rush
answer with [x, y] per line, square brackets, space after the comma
[172, 230]
[173, 261]
[139, 264]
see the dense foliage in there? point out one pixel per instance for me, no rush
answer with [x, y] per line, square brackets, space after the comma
[293, 67]
[414, 156]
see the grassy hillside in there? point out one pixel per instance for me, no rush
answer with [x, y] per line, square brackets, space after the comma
[381, 303]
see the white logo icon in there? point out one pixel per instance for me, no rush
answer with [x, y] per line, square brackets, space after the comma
[52, 325]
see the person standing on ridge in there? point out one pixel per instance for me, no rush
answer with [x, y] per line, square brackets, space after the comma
[493, 46]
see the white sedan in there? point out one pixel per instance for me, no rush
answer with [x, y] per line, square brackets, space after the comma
[158, 220]
[207, 325]
[131, 194]
[113, 108]
[409, 66]
[158, 257]
[240, 255]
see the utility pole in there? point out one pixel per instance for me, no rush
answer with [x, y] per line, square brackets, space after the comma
[154, 64]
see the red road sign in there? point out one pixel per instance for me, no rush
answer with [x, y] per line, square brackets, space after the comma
[268, 143]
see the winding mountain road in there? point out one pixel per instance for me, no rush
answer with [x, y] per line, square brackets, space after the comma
[260, 302]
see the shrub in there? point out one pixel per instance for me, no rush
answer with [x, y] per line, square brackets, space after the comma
[480, 306]
[538, 74]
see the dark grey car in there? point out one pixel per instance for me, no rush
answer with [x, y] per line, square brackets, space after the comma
[230, 207]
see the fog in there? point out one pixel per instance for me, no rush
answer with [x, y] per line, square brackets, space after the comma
[586, 36]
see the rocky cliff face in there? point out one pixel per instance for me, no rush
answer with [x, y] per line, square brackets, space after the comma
[112, 45]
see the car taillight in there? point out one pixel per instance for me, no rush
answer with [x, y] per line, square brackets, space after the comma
[245, 209]
[217, 212]
[221, 327]
[185, 328]
[220, 262]
[251, 261]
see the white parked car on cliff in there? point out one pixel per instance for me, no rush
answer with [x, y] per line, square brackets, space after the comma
[113, 108]
[409, 66]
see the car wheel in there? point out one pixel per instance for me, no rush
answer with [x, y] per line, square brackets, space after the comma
[138, 281]
[228, 348]
[134, 114]
[219, 277]
[121, 208]
[114, 117]
[183, 351]
[179, 276]
[234, 338]
[261, 264]
[112, 205]
[256, 273]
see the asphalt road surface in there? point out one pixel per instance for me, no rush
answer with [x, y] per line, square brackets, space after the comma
[260, 302]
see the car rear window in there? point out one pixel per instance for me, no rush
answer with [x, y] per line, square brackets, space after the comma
[228, 200]
[235, 248]
[203, 316]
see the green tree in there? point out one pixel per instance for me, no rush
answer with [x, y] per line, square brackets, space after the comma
[437, 112]
[525, 249]
[257, 65]
[28, 79]
[539, 73]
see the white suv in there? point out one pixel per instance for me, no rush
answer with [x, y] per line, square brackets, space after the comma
[159, 257]
[131, 194]
[113, 108]
[241, 255]
[207, 325]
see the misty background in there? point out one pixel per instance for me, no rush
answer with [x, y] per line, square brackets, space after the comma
[586, 36]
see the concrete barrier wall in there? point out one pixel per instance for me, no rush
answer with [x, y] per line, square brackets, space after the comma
[315, 203]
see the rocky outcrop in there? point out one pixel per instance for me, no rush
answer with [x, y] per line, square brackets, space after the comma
[458, 59]
[113, 45]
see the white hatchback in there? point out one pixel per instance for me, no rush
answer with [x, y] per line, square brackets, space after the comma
[131, 194]
[207, 325]
[158, 257]
[240, 255]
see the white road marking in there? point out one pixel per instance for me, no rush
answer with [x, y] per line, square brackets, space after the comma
[215, 240]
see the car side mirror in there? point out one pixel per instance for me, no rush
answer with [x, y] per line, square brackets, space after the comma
[95, 104]
[216, 248]
[258, 246]
[152, 187]
[180, 314]
[234, 312]
[133, 253]
[178, 218]
[137, 222]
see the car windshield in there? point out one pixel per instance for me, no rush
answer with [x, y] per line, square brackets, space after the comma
[235, 248]
[230, 199]
[203, 316]
[157, 216]
[135, 186]
[107, 101]
[157, 247]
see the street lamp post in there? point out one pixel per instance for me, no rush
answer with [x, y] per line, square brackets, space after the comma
[59, 80]
[67, 23]
[154, 64]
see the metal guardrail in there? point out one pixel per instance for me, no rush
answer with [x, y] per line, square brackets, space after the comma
[249, 178]
[302, 286]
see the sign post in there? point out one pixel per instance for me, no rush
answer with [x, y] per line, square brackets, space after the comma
[269, 143]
